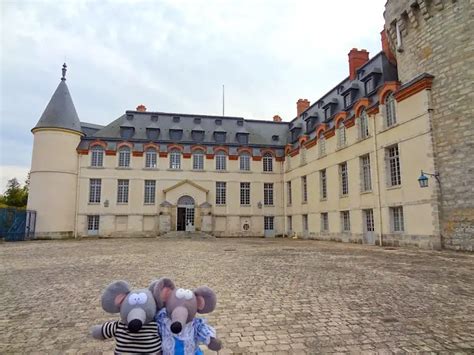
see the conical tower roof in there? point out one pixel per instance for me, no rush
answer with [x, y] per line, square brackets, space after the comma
[60, 112]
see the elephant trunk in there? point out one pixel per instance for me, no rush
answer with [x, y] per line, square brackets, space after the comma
[135, 319]
[179, 317]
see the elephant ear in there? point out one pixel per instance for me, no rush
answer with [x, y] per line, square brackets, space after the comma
[114, 295]
[206, 299]
[162, 290]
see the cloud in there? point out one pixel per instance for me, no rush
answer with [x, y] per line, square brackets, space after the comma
[174, 56]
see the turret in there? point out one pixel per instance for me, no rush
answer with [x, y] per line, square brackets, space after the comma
[54, 165]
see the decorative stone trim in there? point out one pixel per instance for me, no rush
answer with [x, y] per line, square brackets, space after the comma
[175, 146]
[151, 145]
[124, 144]
[350, 122]
[198, 147]
[340, 116]
[137, 154]
[386, 88]
[360, 104]
[423, 84]
[98, 143]
[221, 148]
[264, 151]
[330, 133]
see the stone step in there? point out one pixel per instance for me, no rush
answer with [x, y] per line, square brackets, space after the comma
[187, 235]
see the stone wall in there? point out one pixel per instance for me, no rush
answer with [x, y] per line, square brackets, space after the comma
[437, 38]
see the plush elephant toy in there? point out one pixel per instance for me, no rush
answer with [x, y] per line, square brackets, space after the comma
[181, 332]
[136, 331]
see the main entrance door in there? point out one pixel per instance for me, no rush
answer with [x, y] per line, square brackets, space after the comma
[185, 214]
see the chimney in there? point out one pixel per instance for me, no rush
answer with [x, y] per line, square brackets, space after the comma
[357, 58]
[277, 118]
[301, 106]
[141, 108]
[386, 47]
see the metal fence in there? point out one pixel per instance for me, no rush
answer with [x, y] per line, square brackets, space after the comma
[17, 224]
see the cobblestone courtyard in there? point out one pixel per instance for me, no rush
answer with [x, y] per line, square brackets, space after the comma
[273, 295]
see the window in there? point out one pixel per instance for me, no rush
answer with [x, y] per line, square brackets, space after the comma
[198, 160]
[345, 221]
[304, 189]
[267, 162]
[220, 193]
[288, 189]
[150, 158]
[344, 179]
[305, 223]
[289, 223]
[221, 160]
[93, 224]
[122, 191]
[242, 138]
[175, 159]
[396, 219]
[124, 157]
[393, 158]
[391, 117]
[369, 220]
[341, 136]
[268, 194]
[327, 112]
[220, 137]
[363, 125]
[97, 156]
[150, 188]
[94, 190]
[268, 223]
[369, 86]
[322, 145]
[245, 193]
[197, 135]
[366, 181]
[324, 222]
[245, 162]
[347, 100]
[323, 189]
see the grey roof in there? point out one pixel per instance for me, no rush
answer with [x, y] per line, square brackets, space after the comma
[90, 128]
[60, 112]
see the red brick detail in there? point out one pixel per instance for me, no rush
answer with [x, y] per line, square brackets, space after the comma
[244, 150]
[280, 159]
[198, 147]
[386, 48]
[82, 151]
[320, 129]
[287, 149]
[350, 122]
[256, 158]
[341, 116]
[124, 144]
[310, 143]
[151, 145]
[209, 156]
[175, 146]
[186, 155]
[110, 152]
[330, 133]
[277, 118]
[373, 110]
[302, 140]
[98, 142]
[416, 87]
[301, 106]
[294, 152]
[163, 154]
[386, 88]
[357, 58]
[360, 104]
[137, 154]
[233, 157]
[221, 148]
[264, 151]
[141, 108]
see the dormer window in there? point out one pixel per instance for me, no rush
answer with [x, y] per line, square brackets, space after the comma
[176, 134]
[197, 120]
[154, 118]
[327, 112]
[275, 138]
[129, 116]
[218, 122]
[220, 137]
[152, 133]
[176, 119]
[369, 85]
[240, 123]
[242, 138]
[320, 104]
[197, 135]
[295, 132]
[340, 89]
[360, 74]
[348, 99]
[127, 132]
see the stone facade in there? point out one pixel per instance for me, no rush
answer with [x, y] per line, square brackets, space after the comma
[436, 37]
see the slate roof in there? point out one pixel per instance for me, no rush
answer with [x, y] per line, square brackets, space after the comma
[60, 111]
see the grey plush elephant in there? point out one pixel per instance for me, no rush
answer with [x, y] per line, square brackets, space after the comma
[180, 330]
[136, 331]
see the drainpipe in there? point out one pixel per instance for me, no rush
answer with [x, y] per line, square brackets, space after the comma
[377, 178]
[76, 202]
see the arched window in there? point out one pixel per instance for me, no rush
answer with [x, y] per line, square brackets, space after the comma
[363, 125]
[124, 157]
[97, 156]
[341, 135]
[268, 162]
[175, 159]
[391, 117]
[321, 145]
[198, 160]
[245, 161]
[221, 160]
[150, 158]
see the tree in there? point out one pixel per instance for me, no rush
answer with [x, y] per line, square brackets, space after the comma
[15, 195]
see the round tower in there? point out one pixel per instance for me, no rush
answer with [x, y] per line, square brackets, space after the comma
[436, 37]
[54, 166]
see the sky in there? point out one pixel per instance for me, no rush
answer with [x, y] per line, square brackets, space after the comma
[172, 56]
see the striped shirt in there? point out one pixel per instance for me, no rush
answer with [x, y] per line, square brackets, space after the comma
[146, 341]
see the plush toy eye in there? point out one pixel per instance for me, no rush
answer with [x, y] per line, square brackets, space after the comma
[142, 298]
[180, 293]
[188, 294]
[133, 299]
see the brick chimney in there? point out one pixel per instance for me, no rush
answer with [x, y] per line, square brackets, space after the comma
[357, 58]
[277, 118]
[141, 108]
[386, 47]
[301, 105]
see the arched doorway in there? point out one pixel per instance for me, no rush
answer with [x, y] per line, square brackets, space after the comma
[185, 214]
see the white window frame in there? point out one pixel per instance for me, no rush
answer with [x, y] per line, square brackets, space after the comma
[368, 222]
[124, 157]
[322, 145]
[95, 187]
[221, 160]
[390, 112]
[149, 192]
[289, 221]
[268, 194]
[198, 160]
[341, 135]
[93, 224]
[396, 219]
[323, 184]
[123, 187]
[344, 179]
[244, 161]
[267, 162]
[289, 193]
[97, 156]
[394, 177]
[151, 158]
[305, 223]
[221, 193]
[245, 193]
[324, 222]
[363, 125]
[345, 221]
[269, 223]
[175, 159]
[304, 189]
[365, 173]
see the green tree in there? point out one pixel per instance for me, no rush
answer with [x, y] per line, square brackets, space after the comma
[15, 195]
